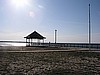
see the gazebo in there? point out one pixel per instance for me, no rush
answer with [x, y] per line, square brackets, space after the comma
[34, 35]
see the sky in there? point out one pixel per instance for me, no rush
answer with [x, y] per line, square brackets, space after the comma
[18, 18]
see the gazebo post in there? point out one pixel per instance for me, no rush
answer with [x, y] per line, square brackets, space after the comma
[26, 41]
[43, 40]
[31, 41]
[38, 42]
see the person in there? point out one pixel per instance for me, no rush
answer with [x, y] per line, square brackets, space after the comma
[49, 43]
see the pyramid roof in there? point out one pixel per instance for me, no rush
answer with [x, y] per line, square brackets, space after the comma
[34, 35]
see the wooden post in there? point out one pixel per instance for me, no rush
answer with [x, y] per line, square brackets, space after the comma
[43, 40]
[31, 41]
[26, 41]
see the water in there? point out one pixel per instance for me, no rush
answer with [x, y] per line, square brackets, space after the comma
[12, 44]
[77, 45]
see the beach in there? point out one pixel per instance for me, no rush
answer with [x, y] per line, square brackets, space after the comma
[50, 63]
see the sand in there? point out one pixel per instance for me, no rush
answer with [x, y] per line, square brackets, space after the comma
[50, 63]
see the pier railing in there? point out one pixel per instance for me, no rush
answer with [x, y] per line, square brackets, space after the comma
[77, 45]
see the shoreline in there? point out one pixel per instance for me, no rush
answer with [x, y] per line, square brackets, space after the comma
[44, 49]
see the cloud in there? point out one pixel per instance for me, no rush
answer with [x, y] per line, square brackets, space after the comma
[31, 14]
[73, 38]
[12, 36]
[41, 7]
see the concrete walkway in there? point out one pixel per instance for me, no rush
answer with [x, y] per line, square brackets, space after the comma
[40, 51]
[54, 51]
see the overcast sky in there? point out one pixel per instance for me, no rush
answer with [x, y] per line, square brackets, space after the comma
[18, 18]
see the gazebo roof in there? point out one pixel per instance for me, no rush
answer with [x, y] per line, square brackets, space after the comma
[34, 35]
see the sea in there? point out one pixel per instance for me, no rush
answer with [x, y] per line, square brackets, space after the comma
[12, 44]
